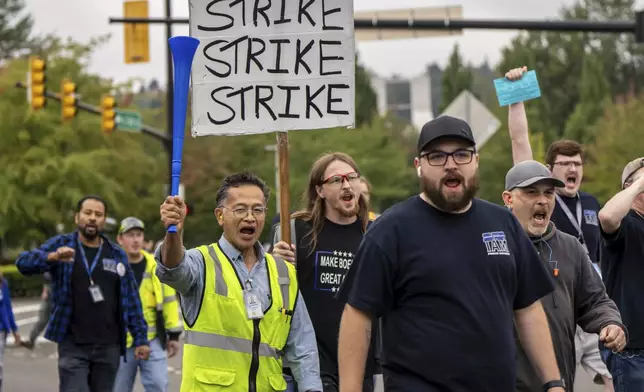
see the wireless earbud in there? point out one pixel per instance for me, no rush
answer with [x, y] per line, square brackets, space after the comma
[418, 171]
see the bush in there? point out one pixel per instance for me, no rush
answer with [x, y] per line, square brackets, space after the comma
[20, 285]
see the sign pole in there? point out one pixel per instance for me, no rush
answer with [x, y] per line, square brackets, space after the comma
[284, 193]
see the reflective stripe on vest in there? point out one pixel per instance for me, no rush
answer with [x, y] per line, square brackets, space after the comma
[225, 350]
[229, 343]
[282, 272]
[155, 298]
[220, 284]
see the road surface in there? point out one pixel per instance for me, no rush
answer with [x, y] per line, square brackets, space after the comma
[36, 371]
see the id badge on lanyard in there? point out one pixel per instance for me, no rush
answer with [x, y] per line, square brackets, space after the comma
[576, 223]
[252, 302]
[94, 290]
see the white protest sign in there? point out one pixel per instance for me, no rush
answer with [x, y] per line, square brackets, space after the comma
[272, 65]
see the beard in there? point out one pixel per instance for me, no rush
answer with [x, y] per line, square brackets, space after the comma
[90, 232]
[349, 213]
[455, 202]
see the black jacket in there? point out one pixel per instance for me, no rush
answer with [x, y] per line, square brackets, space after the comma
[579, 298]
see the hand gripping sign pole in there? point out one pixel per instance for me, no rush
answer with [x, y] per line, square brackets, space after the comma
[183, 50]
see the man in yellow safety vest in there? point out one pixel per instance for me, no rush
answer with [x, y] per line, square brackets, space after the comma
[242, 307]
[160, 311]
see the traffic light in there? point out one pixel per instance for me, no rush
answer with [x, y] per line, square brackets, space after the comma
[37, 79]
[108, 113]
[67, 100]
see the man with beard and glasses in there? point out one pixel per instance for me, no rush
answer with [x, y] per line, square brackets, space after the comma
[449, 274]
[579, 297]
[328, 231]
[95, 300]
[575, 213]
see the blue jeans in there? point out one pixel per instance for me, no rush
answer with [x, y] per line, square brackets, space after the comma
[627, 369]
[154, 371]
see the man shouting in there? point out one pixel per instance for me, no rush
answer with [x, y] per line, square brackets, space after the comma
[579, 296]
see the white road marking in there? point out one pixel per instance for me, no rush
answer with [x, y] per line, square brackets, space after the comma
[26, 321]
[26, 309]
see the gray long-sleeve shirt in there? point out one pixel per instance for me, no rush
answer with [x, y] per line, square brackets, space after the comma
[300, 353]
[579, 299]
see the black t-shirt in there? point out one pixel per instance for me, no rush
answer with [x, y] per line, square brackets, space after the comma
[319, 275]
[139, 269]
[95, 323]
[589, 221]
[623, 273]
[447, 286]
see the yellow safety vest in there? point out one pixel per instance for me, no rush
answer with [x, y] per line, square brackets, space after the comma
[156, 296]
[224, 350]
[373, 216]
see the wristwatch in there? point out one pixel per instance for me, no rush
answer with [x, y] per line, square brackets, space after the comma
[554, 384]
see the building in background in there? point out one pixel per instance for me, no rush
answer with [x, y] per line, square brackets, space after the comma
[416, 100]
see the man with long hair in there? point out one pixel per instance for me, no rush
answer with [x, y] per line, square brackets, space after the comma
[328, 231]
[450, 275]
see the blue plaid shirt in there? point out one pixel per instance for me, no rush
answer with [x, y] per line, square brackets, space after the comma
[35, 262]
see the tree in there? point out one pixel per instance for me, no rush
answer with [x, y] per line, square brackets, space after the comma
[594, 96]
[366, 99]
[382, 153]
[48, 166]
[618, 131]
[556, 58]
[15, 27]
[456, 78]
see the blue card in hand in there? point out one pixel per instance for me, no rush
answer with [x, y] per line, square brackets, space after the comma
[509, 92]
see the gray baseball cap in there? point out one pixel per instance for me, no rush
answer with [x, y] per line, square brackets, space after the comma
[130, 223]
[527, 173]
[631, 168]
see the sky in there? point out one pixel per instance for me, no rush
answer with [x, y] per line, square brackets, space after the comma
[82, 19]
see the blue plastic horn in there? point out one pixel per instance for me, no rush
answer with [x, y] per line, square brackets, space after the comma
[183, 51]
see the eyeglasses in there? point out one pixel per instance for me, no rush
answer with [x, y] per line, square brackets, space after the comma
[338, 179]
[439, 158]
[242, 212]
[576, 164]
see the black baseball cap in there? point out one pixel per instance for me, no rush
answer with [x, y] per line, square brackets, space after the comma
[444, 126]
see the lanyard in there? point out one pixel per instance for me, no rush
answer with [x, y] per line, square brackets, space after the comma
[575, 222]
[89, 268]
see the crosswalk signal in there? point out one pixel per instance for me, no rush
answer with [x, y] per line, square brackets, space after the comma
[108, 113]
[67, 100]
[37, 79]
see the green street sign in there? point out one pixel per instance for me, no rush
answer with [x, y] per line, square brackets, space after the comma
[128, 121]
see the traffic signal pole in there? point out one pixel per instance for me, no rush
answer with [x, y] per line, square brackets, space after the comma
[634, 27]
[155, 133]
